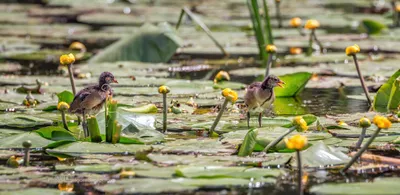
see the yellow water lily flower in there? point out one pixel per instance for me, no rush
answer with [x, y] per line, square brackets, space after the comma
[126, 173]
[221, 76]
[312, 24]
[62, 106]
[398, 8]
[300, 123]
[77, 46]
[297, 142]
[295, 50]
[352, 50]
[66, 187]
[163, 89]
[295, 22]
[230, 95]
[365, 122]
[67, 59]
[382, 122]
[271, 48]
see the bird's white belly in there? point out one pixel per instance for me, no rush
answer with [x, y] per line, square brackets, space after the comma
[262, 106]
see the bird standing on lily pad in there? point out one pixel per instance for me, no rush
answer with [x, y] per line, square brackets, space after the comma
[91, 99]
[260, 96]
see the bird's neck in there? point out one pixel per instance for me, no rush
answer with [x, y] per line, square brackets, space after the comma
[265, 85]
[104, 86]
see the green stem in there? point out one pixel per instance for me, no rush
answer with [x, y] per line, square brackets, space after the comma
[277, 140]
[257, 26]
[94, 130]
[299, 173]
[221, 111]
[64, 120]
[165, 112]
[395, 14]
[203, 26]
[278, 13]
[321, 47]
[112, 116]
[310, 43]
[361, 151]
[362, 80]
[117, 132]
[26, 156]
[71, 78]
[362, 136]
[269, 63]
[301, 31]
[178, 24]
[268, 23]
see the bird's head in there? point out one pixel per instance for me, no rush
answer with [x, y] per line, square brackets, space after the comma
[107, 78]
[272, 81]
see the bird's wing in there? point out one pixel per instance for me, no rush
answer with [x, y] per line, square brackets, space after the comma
[79, 98]
[92, 100]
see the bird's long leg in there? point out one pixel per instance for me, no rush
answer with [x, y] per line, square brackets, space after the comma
[259, 119]
[84, 125]
[248, 119]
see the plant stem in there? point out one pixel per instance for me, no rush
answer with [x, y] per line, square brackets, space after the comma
[277, 140]
[362, 80]
[321, 48]
[257, 26]
[221, 111]
[299, 173]
[278, 13]
[112, 116]
[395, 14]
[94, 130]
[362, 150]
[26, 157]
[203, 26]
[64, 120]
[268, 23]
[71, 78]
[178, 24]
[310, 43]
[117, 132]
[164, 112]
[301, 31]
[269, 63]
[362, 136]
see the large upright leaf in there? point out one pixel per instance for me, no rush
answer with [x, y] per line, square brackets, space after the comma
[372, 27]
[65, 96]
[294, 84]
[249, 143]
[394, 98]
[150, 44]
[383, 96]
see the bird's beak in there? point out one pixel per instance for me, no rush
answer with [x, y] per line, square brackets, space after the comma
[281, 83]
[115, 81]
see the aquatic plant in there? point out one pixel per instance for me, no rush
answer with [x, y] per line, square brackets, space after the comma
[382, 123]
[278, 13]
[313, 25]
[298, 143]
[111, 116]
[271, 50]
[296, 23]
[68, 60]
[396, 13]
[298, 123]
[352, 51]
[27, 145]
[221, 76]
[364, 124]
[63, 107]
[230, 96]
[164, 90]
[94, 131]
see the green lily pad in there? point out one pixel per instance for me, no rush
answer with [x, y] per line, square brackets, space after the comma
[15, 141]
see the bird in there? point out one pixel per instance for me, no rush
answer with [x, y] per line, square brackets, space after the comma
[259, 96]
[91, 99]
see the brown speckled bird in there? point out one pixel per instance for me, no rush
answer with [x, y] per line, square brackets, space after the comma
[260, 96]
[91, 99]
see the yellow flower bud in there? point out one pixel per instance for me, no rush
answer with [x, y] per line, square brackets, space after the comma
[77, 46]
[230, 95]
[352, 50]
[66, 187]
[398, 8]
[365, 122]
[297, 142]
[271, 48]
[127, 174]
[342, 123]
[300, 123]
[311, 24]
[62, 106]
[67, 59]
[295, 50]
[222, 76]
[382, 122]
[163, 89]
[295, 22]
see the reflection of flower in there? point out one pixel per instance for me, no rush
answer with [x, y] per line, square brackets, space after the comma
[163, 89]
[352, 50]
[67, 59]
[271, 48]
[297, 142]
[230, 95]
[63, 106]
[382, 122]
[295, 22]
[222, 76]
[311, 24]
[300, 123]
[365, 122]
